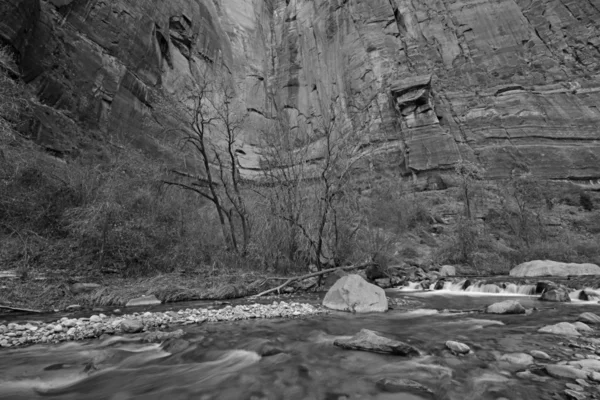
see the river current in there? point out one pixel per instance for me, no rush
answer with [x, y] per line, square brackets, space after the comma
[296, 359]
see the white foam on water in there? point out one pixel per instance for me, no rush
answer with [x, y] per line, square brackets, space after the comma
[455, 288]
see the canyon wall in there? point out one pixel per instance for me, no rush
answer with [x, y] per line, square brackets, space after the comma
[511, 84]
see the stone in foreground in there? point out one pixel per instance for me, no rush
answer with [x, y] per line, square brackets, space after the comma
[457, 347]
[367, 340]
[553, 268]
[589, 318]
[506, 307]
[352, 293]
[143, 301]
[562, 328]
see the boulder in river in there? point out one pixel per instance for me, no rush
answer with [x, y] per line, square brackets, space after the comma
[562, 328]
[367, 340]
[506, 307]
[557, 294]
[588, 295]
[143, 301]
[457, 347]
[553, 268]
[353, 293]
[589, 318]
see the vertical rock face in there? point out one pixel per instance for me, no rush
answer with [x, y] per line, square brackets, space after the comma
[509, 83]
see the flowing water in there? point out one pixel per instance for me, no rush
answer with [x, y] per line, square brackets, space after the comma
[296, 359]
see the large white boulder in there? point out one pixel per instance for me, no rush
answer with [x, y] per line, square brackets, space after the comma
[553, 268]
[352, 293]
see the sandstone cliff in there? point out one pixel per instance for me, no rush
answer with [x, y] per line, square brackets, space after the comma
[509, 83]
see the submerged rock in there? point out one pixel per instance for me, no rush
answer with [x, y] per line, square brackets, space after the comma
[457, 347]
[588, 364]
[562, 328]
[367, 340]
[589, 318]
[401, 385]
[506, 307]
[143, 301]
[517, 358]
[566, 371]
[353, 293]
[553, 268]
[540, 355]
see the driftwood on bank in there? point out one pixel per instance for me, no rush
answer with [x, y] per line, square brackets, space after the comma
[312, 275]
[27, 310]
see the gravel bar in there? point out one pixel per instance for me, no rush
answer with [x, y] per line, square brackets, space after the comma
[66, 329]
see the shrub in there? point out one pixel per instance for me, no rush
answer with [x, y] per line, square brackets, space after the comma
[586, 201]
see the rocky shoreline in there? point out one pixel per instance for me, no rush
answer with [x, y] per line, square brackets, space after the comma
[155, 324]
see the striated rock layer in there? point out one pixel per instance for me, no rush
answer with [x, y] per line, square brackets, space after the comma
[512, 84]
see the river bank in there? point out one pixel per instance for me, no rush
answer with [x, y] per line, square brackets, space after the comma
[57, 292]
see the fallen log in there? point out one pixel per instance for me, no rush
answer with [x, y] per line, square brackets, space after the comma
[27, 310]
[311, 275]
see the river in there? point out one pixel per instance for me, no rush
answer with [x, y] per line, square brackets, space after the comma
[296, 359]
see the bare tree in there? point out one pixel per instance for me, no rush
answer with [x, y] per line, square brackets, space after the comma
[212, 122]
[308, 174]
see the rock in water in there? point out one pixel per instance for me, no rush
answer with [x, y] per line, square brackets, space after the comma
[566, 371]
[132, 326]
[143, 301]
[589, 318]
[401, 385]
[506, 307]
[540, 355]
[562, 328]
[517, 358]
[367, 340]
[457, 347]
[553, 268]
[556, 294]
[353, 293]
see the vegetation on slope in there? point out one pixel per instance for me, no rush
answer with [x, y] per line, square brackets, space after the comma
[121, 221]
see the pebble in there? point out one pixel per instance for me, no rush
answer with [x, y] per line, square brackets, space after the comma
[84, 328]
